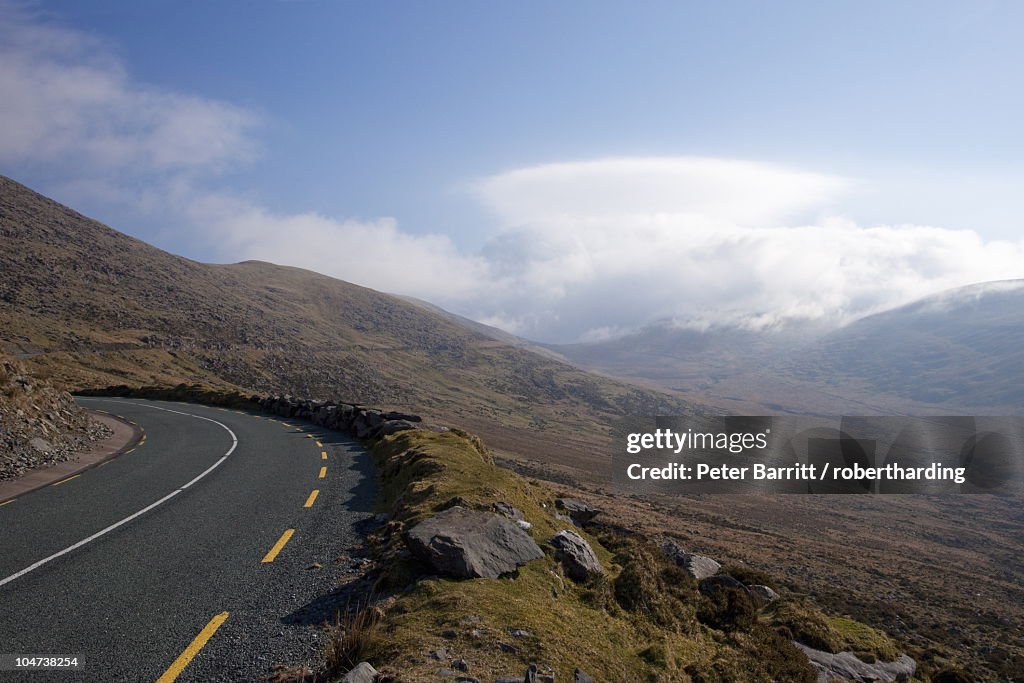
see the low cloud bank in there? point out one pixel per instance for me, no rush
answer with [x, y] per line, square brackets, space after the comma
[591, 250]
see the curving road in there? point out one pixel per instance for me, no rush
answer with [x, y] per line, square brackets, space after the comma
[191, 558]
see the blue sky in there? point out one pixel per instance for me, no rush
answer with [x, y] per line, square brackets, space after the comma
[391, 121]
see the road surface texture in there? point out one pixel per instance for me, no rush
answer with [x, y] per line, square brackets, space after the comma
[190, 558]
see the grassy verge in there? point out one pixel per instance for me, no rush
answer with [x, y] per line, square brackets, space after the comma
[643, 621]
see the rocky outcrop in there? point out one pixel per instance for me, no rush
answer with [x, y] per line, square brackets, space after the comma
[846, 666]
[578, 511]
[509, 510]
[39, 424]
[697, 566]
[470, 544]
[578, 559]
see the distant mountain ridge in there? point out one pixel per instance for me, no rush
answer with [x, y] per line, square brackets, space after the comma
[957, 351]
[960, 348]
[87, 306]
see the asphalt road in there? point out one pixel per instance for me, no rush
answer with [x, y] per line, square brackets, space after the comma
[195, 572]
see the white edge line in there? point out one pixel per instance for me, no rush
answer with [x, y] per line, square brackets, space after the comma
[172, 494]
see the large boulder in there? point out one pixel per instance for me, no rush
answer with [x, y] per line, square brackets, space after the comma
[579, 511]
[697, 566]
[577, 557]
[846, 666]
[470, 544]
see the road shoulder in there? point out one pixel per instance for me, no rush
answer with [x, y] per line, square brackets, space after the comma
[126, 436]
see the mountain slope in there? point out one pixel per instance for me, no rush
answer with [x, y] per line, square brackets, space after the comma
[959, 351]
[962, 348]
[88, 306]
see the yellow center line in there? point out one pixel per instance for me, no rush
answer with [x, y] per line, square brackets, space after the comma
[323, 472]
[312, 498]
[64, 481]
[323, 455]
[309, 436]
[193, 649]
[272, 553]
[8, 502]
[319, 445]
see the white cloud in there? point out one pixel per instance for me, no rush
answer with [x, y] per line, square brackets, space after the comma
[594, 248]
[370, 253]
[576, 256]
[68, 102]
[579, 250]
[739, 192]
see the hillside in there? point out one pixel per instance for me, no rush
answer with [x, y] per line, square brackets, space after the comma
[39, 424]
[960, 349]
[957, 352]
[87, 306]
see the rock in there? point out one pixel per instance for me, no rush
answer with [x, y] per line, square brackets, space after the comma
[508, 679]
[402, 416]
[523, 524]
[577, 557]
[510, 649]
[439, 655]
[393, 426]
[697, 566]
[580, 511]
[531, 674]
[509, 511]
[41, 445]
[713, 584]
[366, 423]
[363, 673]
[763, 595]
[519, 633]
[847, 666]
[579, 676]
[470, 544]
[460, 665]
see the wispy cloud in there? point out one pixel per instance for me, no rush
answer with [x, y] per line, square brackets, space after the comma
[69, 101]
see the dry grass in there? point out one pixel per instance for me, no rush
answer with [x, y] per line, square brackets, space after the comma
[351, 637]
